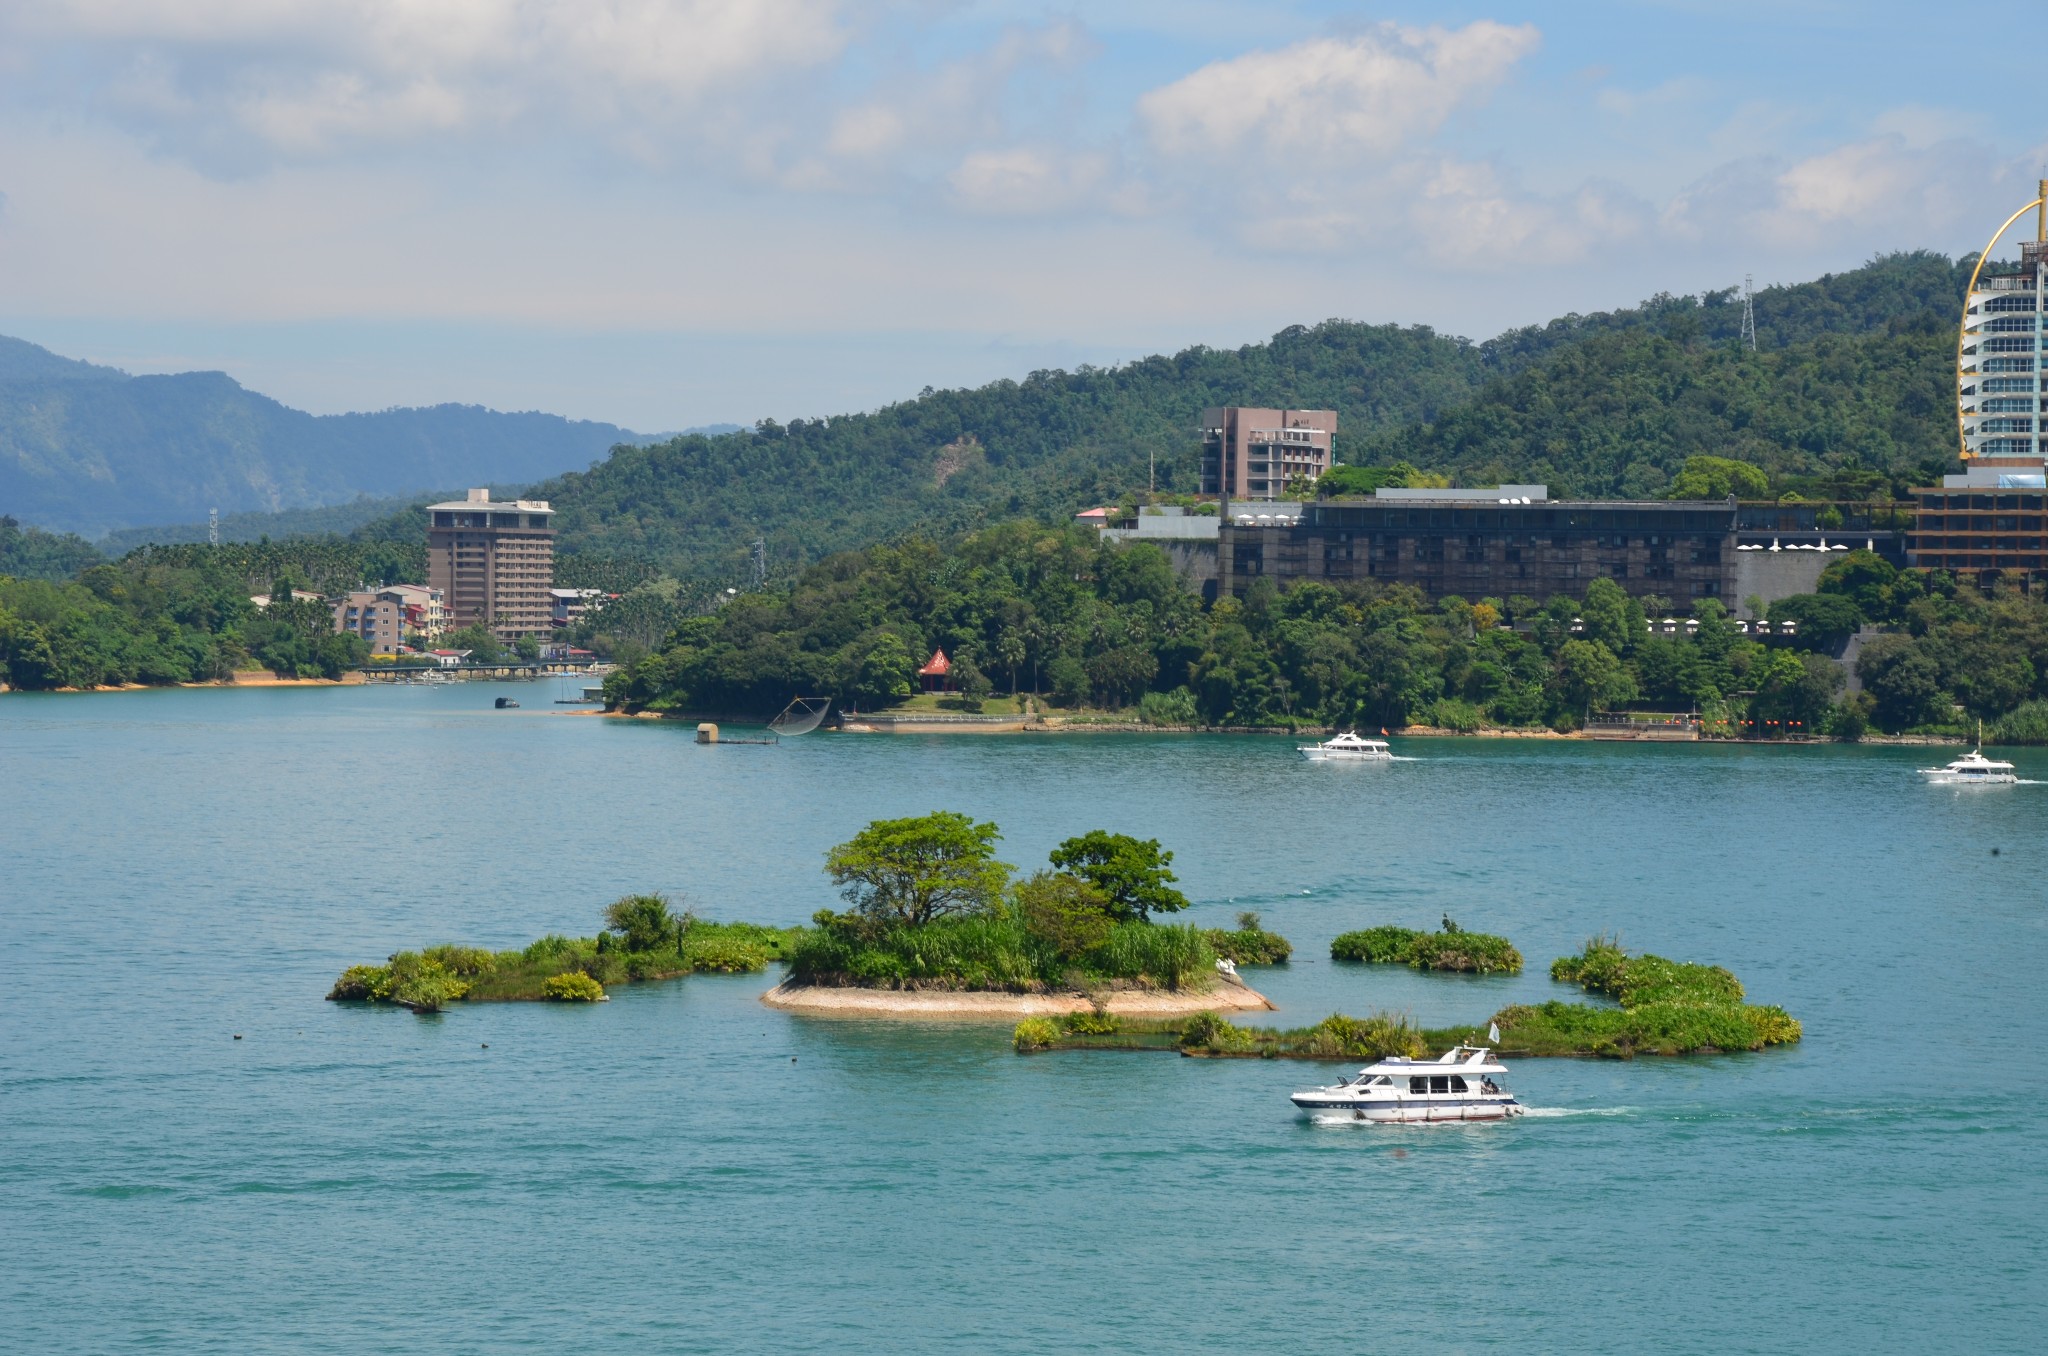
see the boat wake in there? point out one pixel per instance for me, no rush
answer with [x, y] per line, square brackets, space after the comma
[1552, 1112]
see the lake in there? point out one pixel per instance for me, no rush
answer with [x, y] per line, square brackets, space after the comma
[682, 1169]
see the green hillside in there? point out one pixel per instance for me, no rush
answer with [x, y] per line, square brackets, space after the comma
[952, 460]
[90, 449]
[1852, 373]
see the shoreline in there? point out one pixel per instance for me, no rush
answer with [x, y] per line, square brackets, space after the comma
[963, 1005]
[1063, 725]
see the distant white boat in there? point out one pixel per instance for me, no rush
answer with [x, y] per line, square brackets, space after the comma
[1347, 748]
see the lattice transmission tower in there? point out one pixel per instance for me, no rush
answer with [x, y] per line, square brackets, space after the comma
[1748, 315]
[213, 527]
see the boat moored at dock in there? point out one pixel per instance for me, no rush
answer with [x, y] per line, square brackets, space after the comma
[1461, 1085]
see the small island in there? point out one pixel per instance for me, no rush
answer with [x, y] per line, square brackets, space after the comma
[1665, 1008]
[938, 928]
[1452, 949]
[643, 939]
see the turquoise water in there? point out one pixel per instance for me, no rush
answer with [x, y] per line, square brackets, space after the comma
[684, 1170]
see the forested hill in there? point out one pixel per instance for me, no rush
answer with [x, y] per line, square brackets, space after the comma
[89, 449]
[1852, 374]
[1852, 371]
[950, 460]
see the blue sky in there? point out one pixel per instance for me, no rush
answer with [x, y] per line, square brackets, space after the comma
[671, 212]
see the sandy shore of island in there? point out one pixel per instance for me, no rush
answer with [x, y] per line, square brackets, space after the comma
[951, 1005]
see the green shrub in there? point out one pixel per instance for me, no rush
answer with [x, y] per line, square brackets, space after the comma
[1168, 708]
[2026, 723]
[1210, 1031]
[1035, 1033]
[1067, 912]
[572, 986]
[365, 983]
[1380, 1036]
[1466, 952]
[1667, 1007]
[726, 955]
[462, 960]
[554, 946]
[423, 983]
[1091, 1023]
[1378, 946]
[643, 922]
[1452, 949]
[1449, 713]
[1249, 946]
[1603, 967]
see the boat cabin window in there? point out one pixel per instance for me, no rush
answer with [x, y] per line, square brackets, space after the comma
[1440, 1084]
[1418, 1085]
[1458, 1084]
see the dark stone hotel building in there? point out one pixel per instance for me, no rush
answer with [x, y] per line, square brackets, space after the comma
[1492, 543]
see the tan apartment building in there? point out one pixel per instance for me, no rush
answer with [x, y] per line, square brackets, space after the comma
[1251, 454]
[493, 562]
[387, 618]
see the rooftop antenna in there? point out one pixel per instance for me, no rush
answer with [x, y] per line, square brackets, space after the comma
[213, 527]
[1748, 315]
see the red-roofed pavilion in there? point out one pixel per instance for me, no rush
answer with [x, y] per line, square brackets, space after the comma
[935, 676]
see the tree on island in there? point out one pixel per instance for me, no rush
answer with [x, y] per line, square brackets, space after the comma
[644, 922]
[1131, 873]
[911, 871]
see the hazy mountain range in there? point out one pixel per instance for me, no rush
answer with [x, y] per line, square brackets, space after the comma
[90, 449]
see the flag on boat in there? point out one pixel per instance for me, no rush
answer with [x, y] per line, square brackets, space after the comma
[1493, 1032]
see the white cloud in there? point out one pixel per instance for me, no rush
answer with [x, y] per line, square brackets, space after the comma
[1889, 190]
[1375, 93]
[1022, 181]
[304, 78]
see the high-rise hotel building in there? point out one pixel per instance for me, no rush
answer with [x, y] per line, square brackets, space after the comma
[1998, 368]
[1990, 522]
[494, 562]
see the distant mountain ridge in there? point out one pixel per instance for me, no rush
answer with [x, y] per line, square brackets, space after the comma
[91, 449]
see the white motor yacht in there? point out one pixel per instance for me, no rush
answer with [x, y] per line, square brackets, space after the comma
[1462, 1085]
[1348, 748]
[1972, 769]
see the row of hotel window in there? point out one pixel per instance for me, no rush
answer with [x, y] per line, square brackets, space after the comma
[2020, 301]
[1982, 503]
[1701, 588]
[1971, 522]
[1977, 543]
